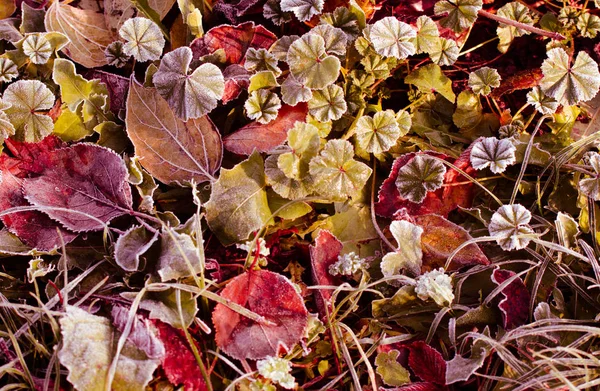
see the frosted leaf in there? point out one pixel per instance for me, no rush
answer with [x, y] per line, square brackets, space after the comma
[303, 9]
[272, 10]
[143, 39]
[404, 121]
[427, 35]
[328, 104]
[37, 48]
[262, 106]
[293, 92]
[8, 70]
[542, 103]
[483, 80]
[280, 48]
[568, 16]
[420, 176]
[591, 186]
[508, 223]
[310, 64]
[115, 54]
[379, 133]
[335, 39]
[392, 38]
[588, 25]
[570, 84]
[435, 285]
[27, 98]
[493, 153]
[347, 265]
[261, 60]
[409, 255]
[444, 52]
[513, 11]
[278, 370]
[343, 19]
[6, 128]
[461, 13]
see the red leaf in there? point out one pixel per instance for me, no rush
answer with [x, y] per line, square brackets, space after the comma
[237, 78]
[323, 254]
[270, 295]
[425, 386]
[263, 138]
[235, 40]
[179, 363]
[427, 363]
[523, 80]
[117, 87]
[34, 228]
[441, 202]
[515, 305]
[85, 178]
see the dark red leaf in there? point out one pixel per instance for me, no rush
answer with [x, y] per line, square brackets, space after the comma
[424, 386]
[270, 295]
[235, 40]
[427, 363]
[179, 363]
[237, 78]
[233, 10]
[85, 178]
[117, 87]
[515, 305]
[263, 138]
[34, 228]
[323, 254]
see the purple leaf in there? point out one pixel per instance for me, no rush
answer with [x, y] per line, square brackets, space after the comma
[515, 305]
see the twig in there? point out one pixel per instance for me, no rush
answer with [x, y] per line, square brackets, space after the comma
[521, 26]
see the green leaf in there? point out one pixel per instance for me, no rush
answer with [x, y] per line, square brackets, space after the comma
[379, 133]
[468, 112]
[391, 371]
[310, 64]
[238, 201]
[328, 104]
[570, 84]
[176, 250]
[588, 25]
[303, 9]
[189, 95]
[392, 38]
[8, 70]
[542, 103]
[162, 305]
[27, 98]
[89, 342]
[591, 186]
[293, 92]
[483, 80]
[508, 223]
[404, 121]
[337, 175]
[262, 79]
[420, 176]
[493, 153]
[281, 47]
[39, 47]
[568, 15]
[444, 52]
[513, 11]
[427, 35]
[343, 19]
[143, 39]
[430, 79]
[262, 106]
[69, 126]
[409, 254]
[74, 89]
[258, 60]
[335, 39]
[461, 13]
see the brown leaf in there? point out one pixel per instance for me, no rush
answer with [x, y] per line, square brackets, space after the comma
[173, 151]
[263, 138]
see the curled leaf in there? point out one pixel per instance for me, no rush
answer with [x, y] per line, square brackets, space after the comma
[591, 186]
[143, 39]
[420, 176]
[8, 70]
[493, 153]
[509, 226]
[409, 255]
[392, 38]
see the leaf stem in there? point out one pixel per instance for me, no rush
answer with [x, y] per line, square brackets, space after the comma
[352, 127]
[522, 26]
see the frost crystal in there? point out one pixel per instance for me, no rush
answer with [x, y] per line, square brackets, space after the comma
[249, 247]
[347, 265]
[435, 285]
[277, 370]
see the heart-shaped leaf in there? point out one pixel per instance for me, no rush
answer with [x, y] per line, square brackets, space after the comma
[27, 98]
[310, 64]
[392, 38]
[143, 39]
[493, 153]
[420, 176]
[508, 225]
[189, 95]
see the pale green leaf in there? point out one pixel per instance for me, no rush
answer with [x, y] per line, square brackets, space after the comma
[483, 80]
[588, 25]
[87, 352]
[444, 52]
[27, 99]
[335, 39]
[343, 19]
[568, 15]
[430, 78]
[379, 133]
[328, 104]
[281, 47]
[310, 64]
[238, 201]
[391, 371]
[143, 39]
[570, 84]
[39, 47]
[69, 126]
[8, 70]
[74, 89]
[392, 38]
[262, 106]
[261, 60]
[567, 229]
[263, 79]
[178, 256]
[542, 103]
[189, 95]
[420, 176]
[427, 35]
[6, 127]
[508, 226]
[493, 153]
[409, 254]
[468, 112]
[163, 305]
[337, 175]
[404, 121]
[293, 92]
[591, 186]
[513, 11]
[303, 9]
[461, 13]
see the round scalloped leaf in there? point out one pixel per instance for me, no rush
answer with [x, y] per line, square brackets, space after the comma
[427, 35]
[143, 39]
[6, 128]
[483, 80]
[293, 92]
[392, 38]
[568, 15]
[591, 186]
[303, 9]
[27, 98]
[335, 39]
[444, 52]
[310, 64]
[272, 11]
[115, 55]
[303, 140]
[328, 104]
[343, 19]
[280, 48]
[588, 25]
[508, 223]
[570, 84]
[337, 175]
[37, 48]
[420, 176]
[513, 11]
[262, 106]
[8, 70]
[379, 133]
[461, 13]
[493, 153]
[542, 103]
[190, 96]
[404, 121]
[258, 60]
